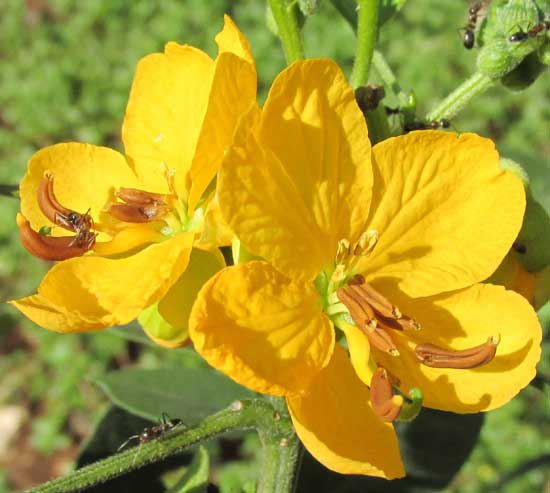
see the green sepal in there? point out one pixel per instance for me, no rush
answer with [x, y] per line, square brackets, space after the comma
[410, 410]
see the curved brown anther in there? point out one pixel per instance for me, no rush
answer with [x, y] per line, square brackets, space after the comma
[377, 301]
[361, 313]
[57, 213]
[139, 206]
[437, 357]
[364, 317]
[51, 247]
[386, 405]
[134, 214]
[408, 323]
[382, 341]
[134, 196]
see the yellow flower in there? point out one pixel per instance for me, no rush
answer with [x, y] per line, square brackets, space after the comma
[388, 245]
[146, 223]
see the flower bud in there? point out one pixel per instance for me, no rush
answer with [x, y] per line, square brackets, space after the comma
[504, 38]
[495, 59]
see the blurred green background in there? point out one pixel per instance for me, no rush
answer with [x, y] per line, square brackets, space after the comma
[65, 71]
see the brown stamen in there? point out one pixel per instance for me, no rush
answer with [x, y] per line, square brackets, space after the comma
[59, 214]
[134, 196]
[437, 357]
[404, 323]
[378, 302]
[386, 405]
[364, 317]
[360, 312]
[139, 206]
[54, 248]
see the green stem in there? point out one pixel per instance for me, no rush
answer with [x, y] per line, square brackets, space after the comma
[366, 38]
[285, 13]
[280, 463]
[377, 120]
[9, 191]
[461, 96]
[281, 451]
[246, 414]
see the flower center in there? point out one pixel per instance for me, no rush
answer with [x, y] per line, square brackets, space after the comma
[139, 206]
[374, 314]
[355, 300]
[150, 216]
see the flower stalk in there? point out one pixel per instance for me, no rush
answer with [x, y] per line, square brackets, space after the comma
[280, 447]
[367, 23]
[285, 14]
[460, 97]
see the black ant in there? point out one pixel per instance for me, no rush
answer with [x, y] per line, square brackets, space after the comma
[433, 125]
[469, 30]
[521, 35]
[149, 434]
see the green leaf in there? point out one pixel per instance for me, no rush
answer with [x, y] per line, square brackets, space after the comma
[186, 393]
[195, 479]
[386, 9]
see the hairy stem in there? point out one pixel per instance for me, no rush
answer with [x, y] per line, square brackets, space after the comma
[280, 449]
[460, 97]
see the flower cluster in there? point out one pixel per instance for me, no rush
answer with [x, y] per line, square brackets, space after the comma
[365, 264]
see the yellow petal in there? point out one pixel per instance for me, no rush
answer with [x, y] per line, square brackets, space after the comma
[233, 91]
[60, 319]
[216, 231]
[85, 177]
[359, 351]
[129, 238]
[446, 213]
[174, 308]
[460, 320]
[231, 39]
[87, 293]
[167, 104]
[263, 330]
[339, 428]
[295, 183]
